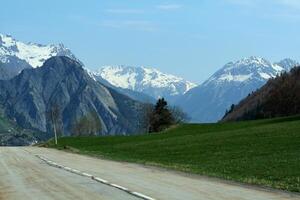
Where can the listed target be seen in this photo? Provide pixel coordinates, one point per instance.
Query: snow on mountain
(16, 56)
(209, 101)
(149, 81)
(34, 54)
(285, 65)
(250, 69)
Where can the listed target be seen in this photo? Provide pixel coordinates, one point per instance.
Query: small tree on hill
(161, 117)
(179, 115)
(87, 125)
(144, 118)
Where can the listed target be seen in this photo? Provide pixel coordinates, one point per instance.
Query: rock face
(62, 81)
(12, 67)
(209, 101)
(145, 80)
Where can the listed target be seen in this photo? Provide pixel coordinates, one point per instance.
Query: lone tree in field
(144, 118)
(179, 115)
(161, 117)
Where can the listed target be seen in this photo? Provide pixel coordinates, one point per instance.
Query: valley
(254, 152)
(150, 100)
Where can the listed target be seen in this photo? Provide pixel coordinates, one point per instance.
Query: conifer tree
(161, 117)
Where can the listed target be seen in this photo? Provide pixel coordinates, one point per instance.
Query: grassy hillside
(265, 152)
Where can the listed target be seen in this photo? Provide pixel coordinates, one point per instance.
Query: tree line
(154, 118)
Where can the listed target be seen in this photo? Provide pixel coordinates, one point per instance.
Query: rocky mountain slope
(62, 81)
(12, 67)
(277, 98)
(145, 80)
(13, 135)
(209, 101)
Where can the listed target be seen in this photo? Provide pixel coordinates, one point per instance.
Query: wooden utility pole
(54, 128)
(55, 112)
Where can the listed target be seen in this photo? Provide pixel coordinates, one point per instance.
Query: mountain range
(140, 83)
(233, 82)
(206, 102)
(149, 81)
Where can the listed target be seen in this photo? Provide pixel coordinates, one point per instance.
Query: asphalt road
(24, 176)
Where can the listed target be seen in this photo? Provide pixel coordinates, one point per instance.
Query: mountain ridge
(279, 97)
(149, 81)
(16, 56)
(34, 54)
(234, 81)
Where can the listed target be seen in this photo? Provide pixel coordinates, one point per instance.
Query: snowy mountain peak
(144, 79)
(252, 68)
(253, 60)
(34, 54)
(287, 64)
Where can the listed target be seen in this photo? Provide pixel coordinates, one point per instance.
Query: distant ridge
(149, 81)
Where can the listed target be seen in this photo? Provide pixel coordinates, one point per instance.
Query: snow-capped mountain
(34, 54)
(250, 69)
(146, 80)
(209, 101)
(142, 84)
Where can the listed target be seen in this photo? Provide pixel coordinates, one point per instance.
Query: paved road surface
(24, 176)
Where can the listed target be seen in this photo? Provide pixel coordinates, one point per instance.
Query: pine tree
(161, 117)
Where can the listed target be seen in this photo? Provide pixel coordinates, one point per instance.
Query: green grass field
(264, 152)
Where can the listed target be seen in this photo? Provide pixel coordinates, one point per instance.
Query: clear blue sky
(191, 38)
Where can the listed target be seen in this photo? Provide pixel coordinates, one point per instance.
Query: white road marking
(137, 194)
(87, 175)
(100, 180)
(119, 187)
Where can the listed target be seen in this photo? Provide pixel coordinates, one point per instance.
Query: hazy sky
(191, 38)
